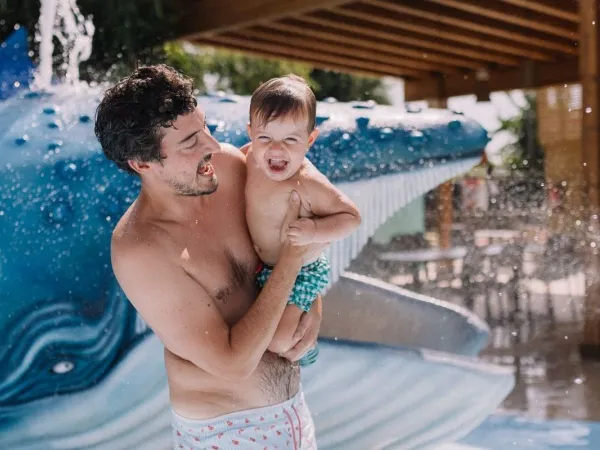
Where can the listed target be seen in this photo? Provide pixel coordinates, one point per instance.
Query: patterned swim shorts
(311, 280)
(285, 426)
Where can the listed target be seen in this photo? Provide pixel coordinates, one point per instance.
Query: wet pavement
(553, 382)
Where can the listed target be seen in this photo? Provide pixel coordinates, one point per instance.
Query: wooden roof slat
(464, 37)
(330, 36)
(555, 8)
(544, 74)
(283, 37)
(305, 55)
(206, 40)
(365, 33)
(211, 16)
(514, 15)
(476, 26)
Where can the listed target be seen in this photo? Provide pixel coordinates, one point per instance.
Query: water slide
(80, 370)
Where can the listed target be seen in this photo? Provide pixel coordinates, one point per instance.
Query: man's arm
(336, 215)
(185, 318)
(307, 332)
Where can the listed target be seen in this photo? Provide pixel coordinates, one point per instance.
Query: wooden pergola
(441, 48)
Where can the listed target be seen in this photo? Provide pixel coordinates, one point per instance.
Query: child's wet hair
(287, 96)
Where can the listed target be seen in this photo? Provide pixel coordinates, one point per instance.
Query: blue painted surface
(16, 68)
(73, 341)
(59, 200)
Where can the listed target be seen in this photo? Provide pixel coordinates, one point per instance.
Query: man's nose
(216, 147)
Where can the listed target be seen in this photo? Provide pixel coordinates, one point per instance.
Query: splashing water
(61, 19)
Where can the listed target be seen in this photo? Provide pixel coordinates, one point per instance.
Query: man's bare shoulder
(135, 243)
(233, 154)
(230, 165)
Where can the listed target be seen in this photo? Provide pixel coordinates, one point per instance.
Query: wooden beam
(328, 36)
(477, 26)
(544, 74)
(590, 147)
(554, 8)
(514, 15)
(589, 65)
(366, 32)
(314, 62)
(429, 29)
(307, 55)
(203, 17)
(284, 39)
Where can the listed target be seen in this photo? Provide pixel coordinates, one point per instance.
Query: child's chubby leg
(284, 336)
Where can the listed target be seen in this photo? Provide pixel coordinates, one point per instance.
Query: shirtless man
(183, 256)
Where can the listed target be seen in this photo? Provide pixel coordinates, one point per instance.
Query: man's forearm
(251, 336)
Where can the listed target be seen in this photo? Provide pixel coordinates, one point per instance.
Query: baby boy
(282, 130)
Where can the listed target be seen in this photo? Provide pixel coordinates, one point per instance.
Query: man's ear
(313, 137)
(139, 166)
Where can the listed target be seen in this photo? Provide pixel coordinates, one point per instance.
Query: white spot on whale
(63, 367)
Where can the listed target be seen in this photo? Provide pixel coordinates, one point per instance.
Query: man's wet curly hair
(130, 117)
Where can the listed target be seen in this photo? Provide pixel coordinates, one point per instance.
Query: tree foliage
(132, 32)
(345, 87)
(527, 153)
(241, 74)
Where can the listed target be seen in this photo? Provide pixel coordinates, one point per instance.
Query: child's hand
(302, 231)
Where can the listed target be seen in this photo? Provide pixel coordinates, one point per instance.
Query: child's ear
(248, 130)
(313, 137)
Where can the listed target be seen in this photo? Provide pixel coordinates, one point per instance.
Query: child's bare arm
(336, 215)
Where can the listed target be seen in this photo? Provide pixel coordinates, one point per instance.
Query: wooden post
(590, 139)
(444, 198)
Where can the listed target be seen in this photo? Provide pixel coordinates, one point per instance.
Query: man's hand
(307, 332)
(302, 231)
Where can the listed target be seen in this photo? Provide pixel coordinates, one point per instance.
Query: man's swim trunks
(311, 280)
(286, 426)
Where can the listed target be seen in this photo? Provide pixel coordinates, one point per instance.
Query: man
(183, 256)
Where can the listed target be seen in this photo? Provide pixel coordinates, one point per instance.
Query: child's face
(280, 146)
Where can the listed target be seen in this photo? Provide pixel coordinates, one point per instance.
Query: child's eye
(263, 138)
(292, 140)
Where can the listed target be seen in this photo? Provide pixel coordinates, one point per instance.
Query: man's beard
(188, 191)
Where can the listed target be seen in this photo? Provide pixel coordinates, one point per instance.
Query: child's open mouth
(277, 165)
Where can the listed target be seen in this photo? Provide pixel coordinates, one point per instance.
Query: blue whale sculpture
(78, 367)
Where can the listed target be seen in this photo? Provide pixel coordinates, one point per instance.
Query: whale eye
(63, 367)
